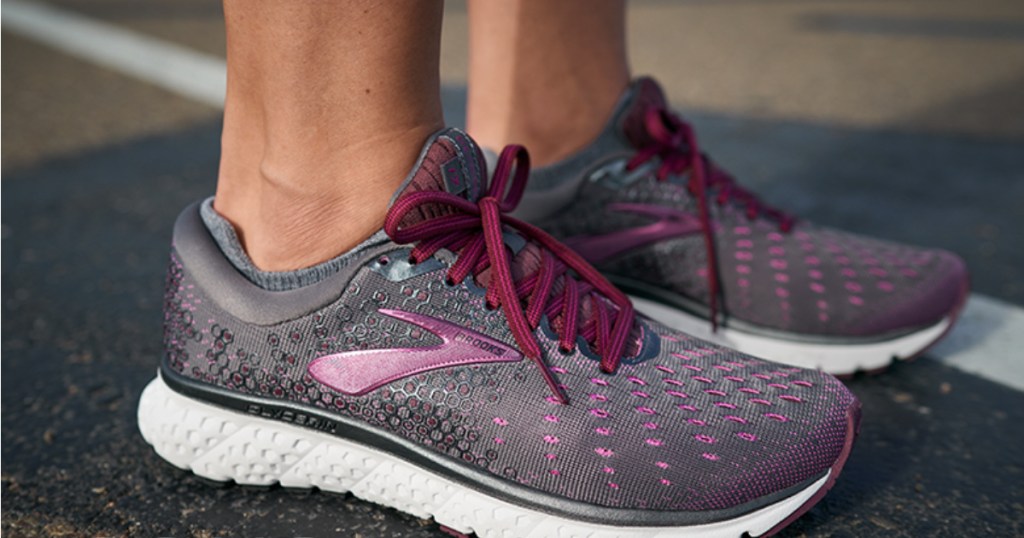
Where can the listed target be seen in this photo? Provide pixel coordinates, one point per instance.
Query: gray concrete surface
(898, 119)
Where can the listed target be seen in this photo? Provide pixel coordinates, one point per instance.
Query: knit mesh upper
(809, 279)
(681, 425)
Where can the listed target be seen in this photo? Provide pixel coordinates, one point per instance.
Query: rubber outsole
(223, 445)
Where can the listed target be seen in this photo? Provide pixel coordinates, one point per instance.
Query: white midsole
(222, 444)
(832, 358)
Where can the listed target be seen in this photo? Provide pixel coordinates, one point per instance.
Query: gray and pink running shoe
(701, 254)
(464, 366)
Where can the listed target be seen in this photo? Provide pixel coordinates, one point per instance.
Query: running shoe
(466, 367)
(702, 254)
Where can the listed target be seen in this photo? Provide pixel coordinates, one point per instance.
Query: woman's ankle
(310, 207)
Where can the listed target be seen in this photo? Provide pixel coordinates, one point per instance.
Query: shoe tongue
(642, 94)
(527, 261)
(449, 162)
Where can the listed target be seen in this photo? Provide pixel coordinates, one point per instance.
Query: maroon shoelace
(474, 232)
(674, 142)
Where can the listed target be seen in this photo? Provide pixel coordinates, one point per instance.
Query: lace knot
(475, 231)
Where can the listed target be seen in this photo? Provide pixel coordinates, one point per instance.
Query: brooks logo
(361, 371)
(670, 223)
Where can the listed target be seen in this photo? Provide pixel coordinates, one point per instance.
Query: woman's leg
(328, 104)
(544, 74)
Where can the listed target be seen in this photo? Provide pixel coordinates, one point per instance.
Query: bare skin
(328, 104)
(544, 74)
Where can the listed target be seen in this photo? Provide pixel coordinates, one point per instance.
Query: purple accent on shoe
(477, 232)
(646, 94)
(453, 180)
(671, 223)
(450, 163)
(359, 372)
(940, 293)
(472, 159)
(852, 431)
(757, 265)
(452, 532)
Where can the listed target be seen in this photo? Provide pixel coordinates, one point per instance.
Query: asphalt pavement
(900, 119)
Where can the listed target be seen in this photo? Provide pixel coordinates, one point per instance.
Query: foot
(703, 255)
(463, 365)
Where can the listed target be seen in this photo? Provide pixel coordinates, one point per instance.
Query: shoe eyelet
(383, 260)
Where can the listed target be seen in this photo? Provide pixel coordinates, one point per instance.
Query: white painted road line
(183, 71)
(988, 341)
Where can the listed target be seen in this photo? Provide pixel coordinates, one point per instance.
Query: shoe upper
(396, 344)
(637, 217)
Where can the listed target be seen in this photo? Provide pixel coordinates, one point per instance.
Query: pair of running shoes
(575, 357)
